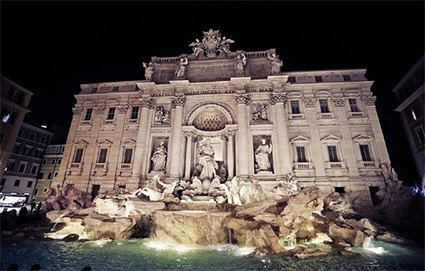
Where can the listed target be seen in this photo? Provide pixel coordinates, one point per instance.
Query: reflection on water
(147, 254)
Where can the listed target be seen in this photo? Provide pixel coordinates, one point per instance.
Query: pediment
(331, 138)
(300, 138)
(363, 138)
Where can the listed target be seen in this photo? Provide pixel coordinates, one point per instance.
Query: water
(147, 254)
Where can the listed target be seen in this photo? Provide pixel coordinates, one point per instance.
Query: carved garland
(338, 102)
(309, 102)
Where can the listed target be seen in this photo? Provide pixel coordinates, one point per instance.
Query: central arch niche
(211, 117)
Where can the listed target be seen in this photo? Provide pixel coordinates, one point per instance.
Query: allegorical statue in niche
(181, 68)
(276, 63)
(262, 154)
(159, 157)
(240, 64)
(148, 71)
(206, 155)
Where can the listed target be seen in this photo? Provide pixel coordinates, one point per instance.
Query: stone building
(320, 127)
(21, 171)
(49, 170)
(410, 96)
(14, 107)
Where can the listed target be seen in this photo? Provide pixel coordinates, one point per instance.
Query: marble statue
(262, 156)
(197, 47)
(159, 157)
(148, 71)
(181, 68)
(224, 46)
(276, 63)
(206, 160)
(240, 64)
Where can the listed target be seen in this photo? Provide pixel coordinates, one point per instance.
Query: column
(188, 161)
(176, 133)
(316, 145)
(243, 142)
(141, 136)
(230, 155)
(381, 149)
(347, 140)
(282, 146)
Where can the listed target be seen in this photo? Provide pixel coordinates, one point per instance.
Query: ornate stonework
(178, 101)
(243, 99)
(339, 102)
(368, 100)
(278, 98)
(212, 45)
(309, 102)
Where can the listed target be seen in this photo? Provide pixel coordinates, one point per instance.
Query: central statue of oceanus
(212, 45)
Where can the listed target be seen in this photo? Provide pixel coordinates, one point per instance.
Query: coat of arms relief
(212, 45)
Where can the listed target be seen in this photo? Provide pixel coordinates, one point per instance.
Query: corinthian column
(141, 148)
(243, 133)
(230, 155)
(176, 133)
(188, 160)
(278, 101)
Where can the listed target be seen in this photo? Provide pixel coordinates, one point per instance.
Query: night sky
(50, 48)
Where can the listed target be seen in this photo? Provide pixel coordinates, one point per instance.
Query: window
(420, 134)
(40, 175)
(59, 161)
(89, 111)
(56, 173)
(102, 156)
(43, 139)
(93, 90)
(36, 191)
(16, 147)
(44, 161)
(29, 184)
(22, 167)
(27, 150)
(38, 153)
(62, 148)
(10, 165)
(7, 116)
(333, 156)
(53, 161)
(353, 105)
(17, 183)
(32, 136)
(49, 176)
(295, 107)
(45, 190)
(291, 79)
(346, 77)
(111, 113)
(21, 133)
(319, 78)
(15, 95)
(365, 152)
(324, 108)
(57, 149)
(301, 154)
(134, 113)
(34, 169)
(48, 149)
(115, 88)
(78, 155)
(128, 153)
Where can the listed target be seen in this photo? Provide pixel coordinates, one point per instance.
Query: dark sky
(50, 48)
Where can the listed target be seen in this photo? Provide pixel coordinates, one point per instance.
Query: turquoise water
(147, 254)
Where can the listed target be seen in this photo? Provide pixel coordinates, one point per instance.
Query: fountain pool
(149, 254)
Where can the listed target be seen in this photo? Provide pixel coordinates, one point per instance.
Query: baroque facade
(320, 127)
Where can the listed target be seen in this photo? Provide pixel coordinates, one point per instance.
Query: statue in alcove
(159, 157)
(262, 154)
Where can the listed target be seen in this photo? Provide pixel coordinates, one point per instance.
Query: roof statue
(212, 45)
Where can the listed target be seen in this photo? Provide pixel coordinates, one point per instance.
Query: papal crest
(212, 45)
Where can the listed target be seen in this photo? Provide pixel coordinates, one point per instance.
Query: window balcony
(336, 168)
